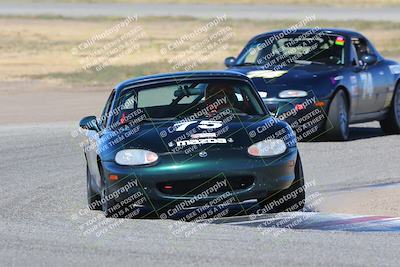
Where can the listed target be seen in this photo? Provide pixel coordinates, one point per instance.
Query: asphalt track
(235, 11)
(43, 219)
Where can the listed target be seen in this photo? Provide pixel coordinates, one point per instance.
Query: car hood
(296, 77)
(164, 137)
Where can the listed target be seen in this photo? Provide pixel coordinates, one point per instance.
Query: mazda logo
(203, 154)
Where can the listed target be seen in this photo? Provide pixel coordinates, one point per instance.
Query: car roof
(181, 76)
(344, 32)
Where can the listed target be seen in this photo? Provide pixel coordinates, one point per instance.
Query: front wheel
(290, 199)
(337, 124)
(391, 124)
(110, 207)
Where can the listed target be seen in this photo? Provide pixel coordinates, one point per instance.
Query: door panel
(372, 80)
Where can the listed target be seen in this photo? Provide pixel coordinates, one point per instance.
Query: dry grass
(41, 47)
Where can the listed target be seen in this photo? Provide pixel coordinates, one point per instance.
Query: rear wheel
(93, 197)
(290, 199)
(391, 125)
(338, 118)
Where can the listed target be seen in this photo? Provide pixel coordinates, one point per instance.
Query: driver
(220, 96)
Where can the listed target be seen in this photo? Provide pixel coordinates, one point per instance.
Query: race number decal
(394, 69)
(210, 124)
(204, 125)
(179, 127)
(367, 85)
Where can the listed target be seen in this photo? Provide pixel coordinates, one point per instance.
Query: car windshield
(195, 99)
(294, 49)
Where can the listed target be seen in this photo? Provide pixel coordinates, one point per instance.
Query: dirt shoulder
(37, 102)
(374, 201)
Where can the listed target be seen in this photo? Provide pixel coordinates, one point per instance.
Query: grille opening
(199, 186)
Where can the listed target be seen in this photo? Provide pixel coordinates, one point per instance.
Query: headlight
(266, 148)
(292, 93)
(135, 157)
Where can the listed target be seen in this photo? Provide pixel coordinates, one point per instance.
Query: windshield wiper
(308, 62)
(246, 64)
(159, 119)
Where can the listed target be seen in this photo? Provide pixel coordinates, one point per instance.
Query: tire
(291, 204)
(92, 196)
(338, 118)
(391, 124)
(109, 207)
(115, 209)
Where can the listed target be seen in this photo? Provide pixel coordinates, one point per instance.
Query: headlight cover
(135, 157)
(292, 93)
(267, 148)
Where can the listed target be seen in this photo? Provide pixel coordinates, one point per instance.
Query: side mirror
(230, 61)
(369, 59)
(89, 123)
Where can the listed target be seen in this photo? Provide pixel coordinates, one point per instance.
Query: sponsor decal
(263, 94)
(388, 101)
(267, 74)
(339, 41)
(353, 80)
(394, 69)
(335, 79)
(354, 85)
(354, 89)
(201, 141)
(203, 135)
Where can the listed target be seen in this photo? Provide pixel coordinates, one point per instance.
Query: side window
(353, 56)
(362, 46)
(252, 55)
(106, 109)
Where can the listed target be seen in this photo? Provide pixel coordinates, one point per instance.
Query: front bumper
(177, 178)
